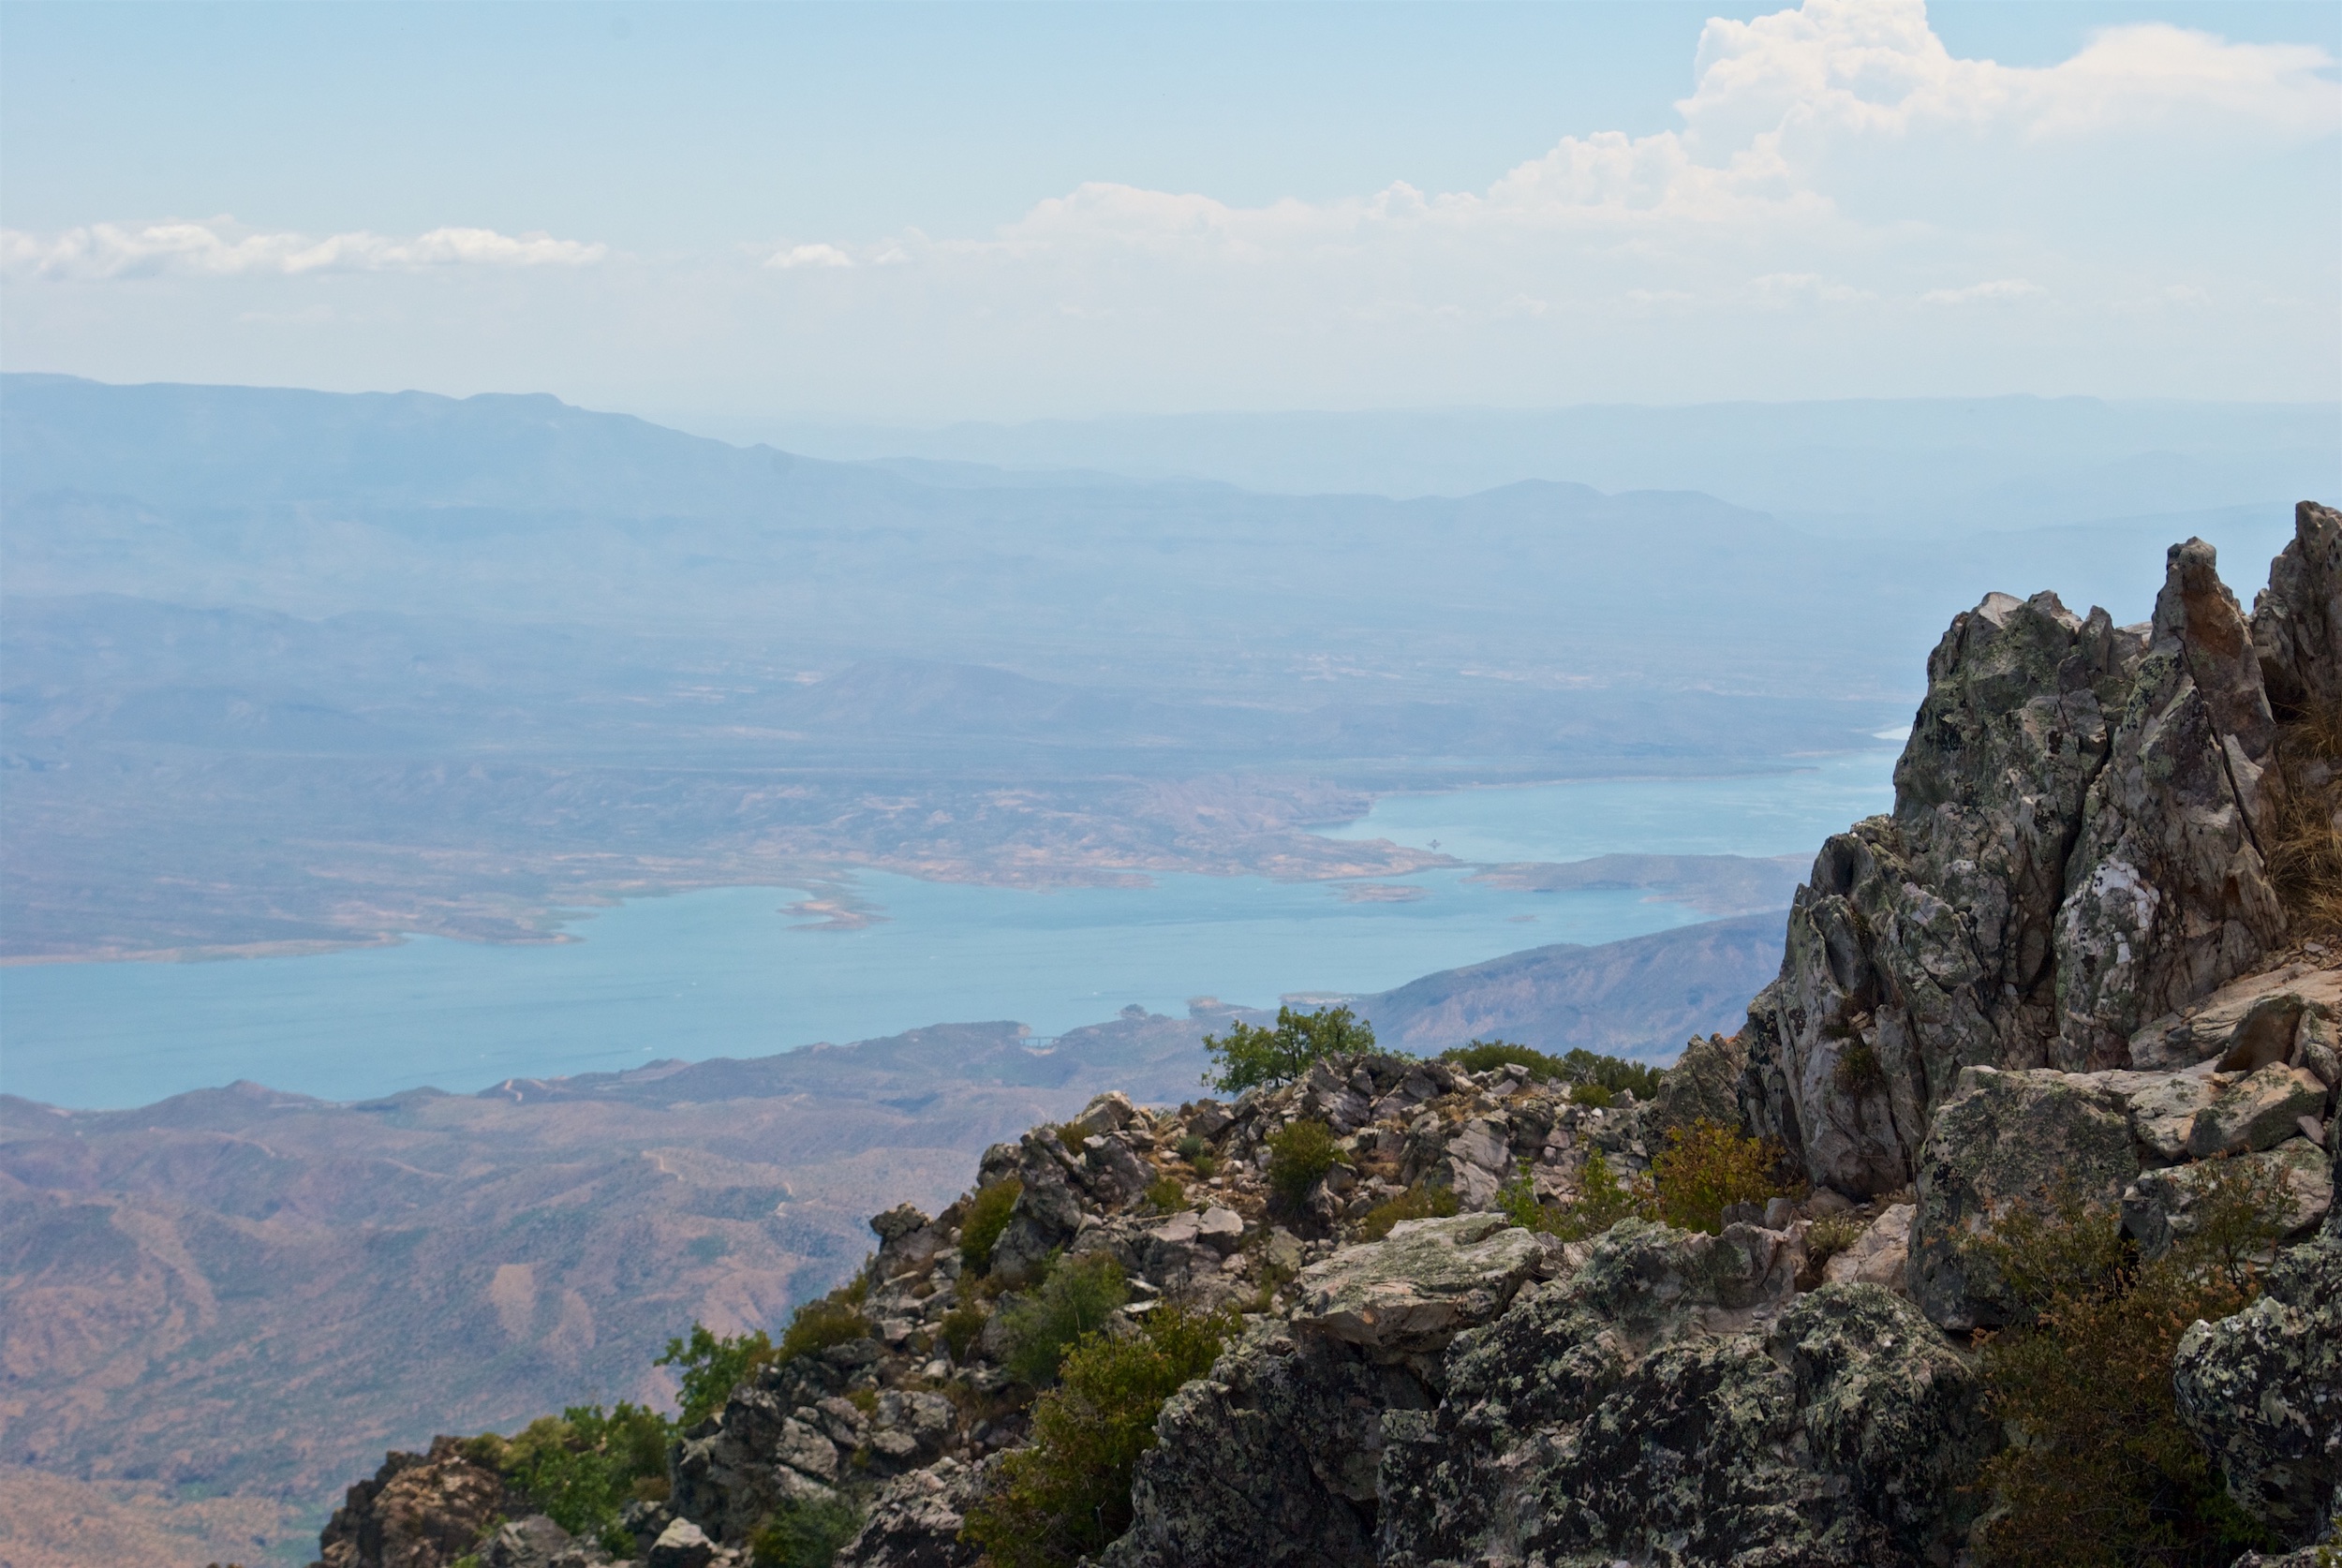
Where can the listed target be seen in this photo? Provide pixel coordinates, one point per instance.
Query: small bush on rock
(1297, 1157)
(1583, 1069)
(987, 1215)
(1167, 1193)
(1420, 1201)
(1829, 1236)
(1077, 1296)
(2102, 1469)
(711, 1367)
(1067, 1493)
(804, 1532)
(1192, 1147)
(1707, 1166)
(581, 1467)
(961, 1327)
(831, 1320)
(1859, 1071)
(1253, 1057)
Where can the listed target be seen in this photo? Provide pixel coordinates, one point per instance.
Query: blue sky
(916, 212)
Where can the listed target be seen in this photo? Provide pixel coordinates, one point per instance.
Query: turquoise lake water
(731, 973)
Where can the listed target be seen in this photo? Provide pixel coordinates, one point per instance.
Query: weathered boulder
(535, 1541)
(419, 1511)
(914, 1520)
(1428, 1281)
(1704, 1084)
(2006, 1138)
(733, 1470)
(2256, 1112)
(2263, 1391)
(681, 1545)
(1671, 1402)
(2248, 1023)
(1922, 941)
(1268, 1462)
(1880, 1256)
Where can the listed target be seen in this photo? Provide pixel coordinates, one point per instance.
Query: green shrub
(1420, 1201)
(1829, 1236)
(584, 1466)
(1707, 1166)
(1602, 1202)
(831, 1320)
(1167, 1193)
(1250, 1056)
(1481, 1054)
(1297, 1155)
(711, 1367)
(1072, 1137)
(1075, 1297)
(804, 1532)
(987, 1215)
(1859, 1071)
(1584, 1071)
(1067, 1493)
(961, 1327)
(1192, 1147)
(2100, 1469)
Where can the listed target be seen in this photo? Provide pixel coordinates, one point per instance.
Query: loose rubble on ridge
(2063, 958)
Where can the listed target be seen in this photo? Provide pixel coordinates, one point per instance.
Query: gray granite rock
(2263, 1391)
(2006, 1138)
(1669, 1402)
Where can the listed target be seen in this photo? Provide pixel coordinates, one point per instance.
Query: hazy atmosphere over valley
(629, 634)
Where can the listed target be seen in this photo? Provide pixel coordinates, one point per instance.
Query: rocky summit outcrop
(2065, 970)
(2079, 850)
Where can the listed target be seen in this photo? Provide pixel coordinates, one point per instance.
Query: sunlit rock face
(2077, 851)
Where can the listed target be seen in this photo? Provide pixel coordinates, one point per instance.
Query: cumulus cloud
(815, 256)
(219, 248)
(2000, 290)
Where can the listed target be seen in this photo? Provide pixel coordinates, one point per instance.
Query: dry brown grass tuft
(2305, 847)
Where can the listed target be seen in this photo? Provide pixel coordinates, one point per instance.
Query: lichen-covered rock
(1921, 943)
(914, 1520)
(1430, 1279)
(2168, 897)
(2263, 1391)
(419, 1511)
(535, 1541)
(1269, 1461)
(747, 1460)
(2073, 862)
(2006, 1138)
(1704, 1084)
(2256, 1112)
(1671, 1403)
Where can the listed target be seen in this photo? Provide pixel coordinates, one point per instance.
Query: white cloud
(217, 249)
(816, 256)
(2000, 290)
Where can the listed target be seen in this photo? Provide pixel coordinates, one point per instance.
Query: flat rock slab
(2212, 1028)
(2005, 1138)
(1882, 1254)
(1430, 1279)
